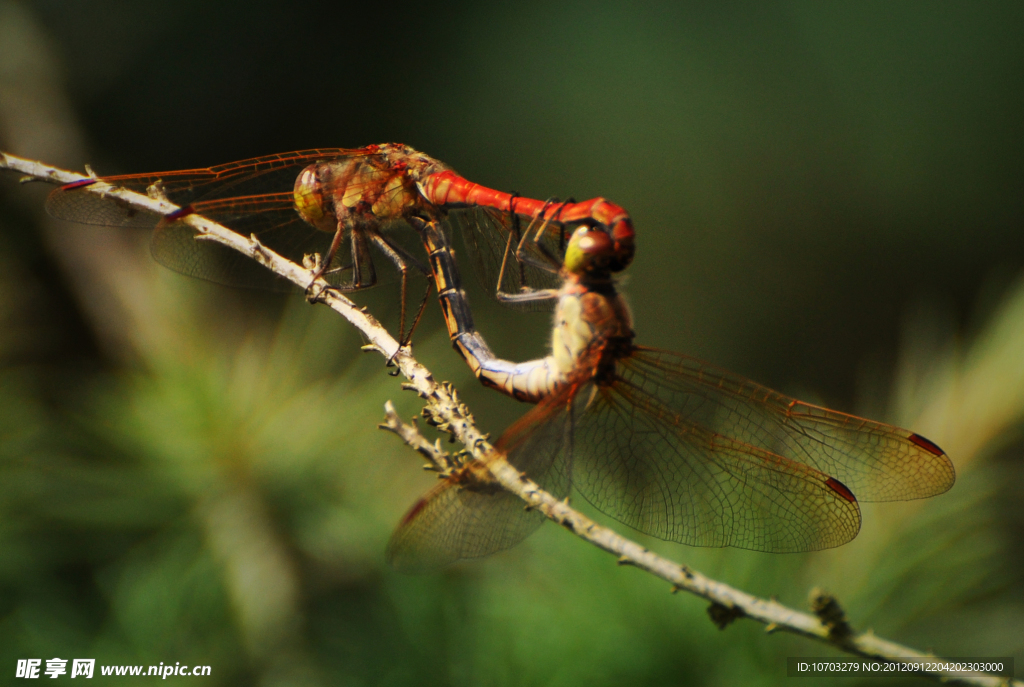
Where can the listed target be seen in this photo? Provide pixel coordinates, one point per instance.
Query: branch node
(409, 386)
(831, 615)
(257, 247)
(156, 191)
(625, 560)
(317, 291)
(438, 460)
(723, 616)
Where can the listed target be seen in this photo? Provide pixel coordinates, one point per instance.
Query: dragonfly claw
(315, 292)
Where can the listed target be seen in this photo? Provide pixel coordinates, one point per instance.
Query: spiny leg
(515, 234)
(539, 215)
(553, 260)
(527, 294)
(402, 259)
(363, 273)
(551, 263)
(327, 259)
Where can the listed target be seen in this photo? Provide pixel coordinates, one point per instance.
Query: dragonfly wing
(77, 205)
(250, 197)
(270, 217)
(453, 523)
(878, 462)
(175, 246)
(641, 462)
(244, 178)
(461, 521)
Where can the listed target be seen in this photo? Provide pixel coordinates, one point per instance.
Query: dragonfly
(344, 205)
(662, 442)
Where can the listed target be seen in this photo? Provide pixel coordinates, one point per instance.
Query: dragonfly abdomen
(530, 381)
(446, 188)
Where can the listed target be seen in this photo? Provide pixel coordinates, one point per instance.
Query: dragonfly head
(622, 238)
(309, 199)
(594, 253)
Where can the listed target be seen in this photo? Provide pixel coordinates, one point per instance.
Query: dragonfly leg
(402, 260)
(363, 273)
(325, 262)
(549, 261)
(527, 295)
(553, 261)
(514, 235)
(516, 238)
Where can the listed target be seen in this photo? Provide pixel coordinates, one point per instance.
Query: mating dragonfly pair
(662, 442)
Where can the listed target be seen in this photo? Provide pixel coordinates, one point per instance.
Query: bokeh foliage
(828, 199)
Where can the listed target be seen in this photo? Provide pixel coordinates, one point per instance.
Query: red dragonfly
(662, 442)
(339, 203)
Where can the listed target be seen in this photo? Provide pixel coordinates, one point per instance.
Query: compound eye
(595, 242)
(589, 251)
(309, 199)
(622, 236)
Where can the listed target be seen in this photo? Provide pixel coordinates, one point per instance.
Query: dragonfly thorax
(593, 327)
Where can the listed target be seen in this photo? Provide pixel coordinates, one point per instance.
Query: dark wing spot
(413, 512)
(78, 184)
(841, 489)
(919, 440)
(181, 212)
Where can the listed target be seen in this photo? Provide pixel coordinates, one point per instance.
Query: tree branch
(828, 624)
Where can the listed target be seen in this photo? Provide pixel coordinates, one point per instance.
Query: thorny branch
(828, 624)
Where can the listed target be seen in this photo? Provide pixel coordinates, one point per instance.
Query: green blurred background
(828, 198)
